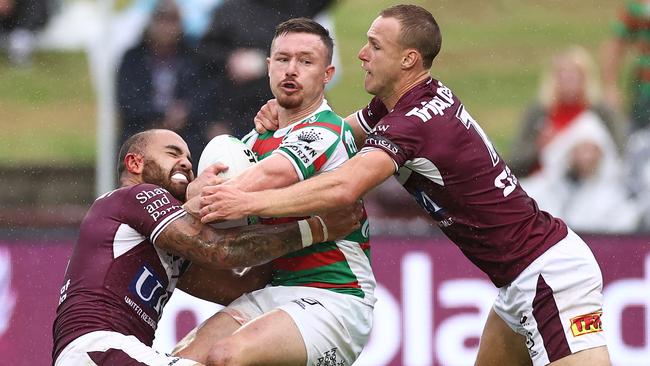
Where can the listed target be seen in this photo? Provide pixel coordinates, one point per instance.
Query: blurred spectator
(195, 17)
(19, 22)
(158, 84)
(568, 90)
(637, 166)
(630, 30)
(581, 180)
(235, 48)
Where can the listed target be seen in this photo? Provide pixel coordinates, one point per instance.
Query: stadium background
(432, 300)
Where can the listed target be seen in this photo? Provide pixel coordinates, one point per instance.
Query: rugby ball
(232, 152)
(228, 150)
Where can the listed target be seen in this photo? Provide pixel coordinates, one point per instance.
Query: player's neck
(129, 180)
(402, 87)
(287, 116)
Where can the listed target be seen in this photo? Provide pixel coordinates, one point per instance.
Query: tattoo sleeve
(244, 246)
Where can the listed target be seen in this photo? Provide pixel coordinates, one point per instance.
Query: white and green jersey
(319, 143)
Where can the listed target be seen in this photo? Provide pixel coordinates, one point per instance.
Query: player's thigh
(270, 339)
(598, 356)
(500, 345)
(197, 343)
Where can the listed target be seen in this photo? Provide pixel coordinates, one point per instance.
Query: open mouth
(289, 86)
(180, 177)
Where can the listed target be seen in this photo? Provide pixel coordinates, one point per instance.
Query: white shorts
(556, 302)
(112, 348)
(334, 327)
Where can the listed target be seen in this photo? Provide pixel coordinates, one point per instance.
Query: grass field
(492, 55)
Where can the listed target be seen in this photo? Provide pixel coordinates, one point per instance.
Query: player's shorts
(335, 327)
(103, 348)
(556, 303)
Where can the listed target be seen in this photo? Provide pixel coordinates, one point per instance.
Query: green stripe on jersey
(338, 273)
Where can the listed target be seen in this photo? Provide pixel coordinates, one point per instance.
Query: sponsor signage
(432, 302)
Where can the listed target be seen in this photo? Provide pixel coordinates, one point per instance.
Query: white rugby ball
(232, 152)
(228, 150)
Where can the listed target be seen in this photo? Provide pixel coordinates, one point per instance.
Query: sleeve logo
(585, 324)
(382, 142)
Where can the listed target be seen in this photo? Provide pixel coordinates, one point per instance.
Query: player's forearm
(232, 248)
(318, 194)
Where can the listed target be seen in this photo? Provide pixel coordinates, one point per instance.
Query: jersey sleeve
(398, 137)
(149, 209)
(309, 146)
(371, 114)
(250, 138)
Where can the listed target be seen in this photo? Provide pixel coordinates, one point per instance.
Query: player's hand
(266, 118)
(341, 222)
(224, 202)
(208, 177)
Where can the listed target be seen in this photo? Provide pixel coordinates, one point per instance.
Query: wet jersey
(319, 143)
(116, 279)
(448, 164)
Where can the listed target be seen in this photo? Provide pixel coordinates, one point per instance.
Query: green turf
(492, 55)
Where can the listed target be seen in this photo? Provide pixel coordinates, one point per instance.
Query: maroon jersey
(116, 279)
(445, 160)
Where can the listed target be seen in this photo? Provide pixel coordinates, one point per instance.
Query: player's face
(167, 163)
(298, 70)
(381, 56)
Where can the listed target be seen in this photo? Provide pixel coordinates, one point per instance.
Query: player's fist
(208, 177)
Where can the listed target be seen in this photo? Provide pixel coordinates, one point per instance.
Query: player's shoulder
(428, 101)
(142, 193)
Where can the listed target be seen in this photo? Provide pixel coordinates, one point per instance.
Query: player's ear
(329, 73)
(410, 58)
(134, 163)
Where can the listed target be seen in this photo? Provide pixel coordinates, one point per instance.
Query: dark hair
(419, 30)
(134, 144)
(306, 25)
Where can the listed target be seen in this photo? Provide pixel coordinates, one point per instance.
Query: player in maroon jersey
(137, 241)
(418, 130)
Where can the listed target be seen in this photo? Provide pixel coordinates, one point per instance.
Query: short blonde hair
(585, 62)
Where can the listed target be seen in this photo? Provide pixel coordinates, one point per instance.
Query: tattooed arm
(249, 246)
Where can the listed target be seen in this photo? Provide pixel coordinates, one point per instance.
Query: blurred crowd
(199, 68)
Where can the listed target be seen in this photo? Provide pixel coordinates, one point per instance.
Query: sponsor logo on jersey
(382, 128)
(309, 135)
(585, 324)
(149, 289)
(434, 107)
(156, 202)
(382, 142)
(304, 152)
(144, 196)
(439, 214)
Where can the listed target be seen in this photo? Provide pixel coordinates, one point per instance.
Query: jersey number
(468, 122)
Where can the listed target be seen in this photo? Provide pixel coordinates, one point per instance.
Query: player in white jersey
(318, 308)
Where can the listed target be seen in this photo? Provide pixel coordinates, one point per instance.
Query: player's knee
(226, 352)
